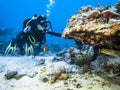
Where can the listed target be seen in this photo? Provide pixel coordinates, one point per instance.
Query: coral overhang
(92, 27)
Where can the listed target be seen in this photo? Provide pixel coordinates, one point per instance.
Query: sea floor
(30, 81)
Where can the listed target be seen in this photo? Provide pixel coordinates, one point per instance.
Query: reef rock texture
(76, 56)
(95, 26)
(107, 67)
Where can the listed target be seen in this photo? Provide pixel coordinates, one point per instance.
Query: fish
(109, 52)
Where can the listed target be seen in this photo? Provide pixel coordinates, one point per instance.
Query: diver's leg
(21, 38)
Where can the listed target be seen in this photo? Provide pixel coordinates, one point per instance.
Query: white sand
(84, 81)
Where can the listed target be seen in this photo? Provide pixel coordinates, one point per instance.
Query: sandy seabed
(74, 82)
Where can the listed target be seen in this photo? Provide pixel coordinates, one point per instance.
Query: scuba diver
(29, 41)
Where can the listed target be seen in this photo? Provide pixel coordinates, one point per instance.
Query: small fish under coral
(109, 52)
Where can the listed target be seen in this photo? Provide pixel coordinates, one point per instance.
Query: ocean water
(14, 12)
(70, 68)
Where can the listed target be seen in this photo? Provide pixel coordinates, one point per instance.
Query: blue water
(14, 12)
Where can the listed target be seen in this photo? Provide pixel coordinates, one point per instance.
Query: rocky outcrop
(76, 56)
(95, 26)
(98, 27)
(107, 67)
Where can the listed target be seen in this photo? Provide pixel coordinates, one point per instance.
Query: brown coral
(94, 14)
(110, 14)
(95, 32)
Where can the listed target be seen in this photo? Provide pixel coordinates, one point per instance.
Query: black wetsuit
(39, 35)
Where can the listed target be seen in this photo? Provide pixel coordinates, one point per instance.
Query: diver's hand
(27, 29)
(39, 27)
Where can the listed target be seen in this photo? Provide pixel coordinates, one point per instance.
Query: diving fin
(11, 48)
(28, 49)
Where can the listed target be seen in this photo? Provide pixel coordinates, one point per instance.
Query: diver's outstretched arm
(54, 33)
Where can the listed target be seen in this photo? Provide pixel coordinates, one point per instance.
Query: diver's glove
(27, 29)
(11, 48)
(28, 49)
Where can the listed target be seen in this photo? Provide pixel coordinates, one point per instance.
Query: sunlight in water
(49, 5)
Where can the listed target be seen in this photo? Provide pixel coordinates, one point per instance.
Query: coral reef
(76, 56)
(98, 27)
